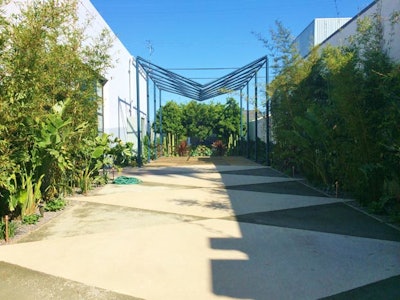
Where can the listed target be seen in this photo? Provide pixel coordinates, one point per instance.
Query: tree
(228, 120)
(282, 49)
(172, 115)
(198, 120)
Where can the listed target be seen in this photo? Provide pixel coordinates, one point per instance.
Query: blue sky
(210, 33)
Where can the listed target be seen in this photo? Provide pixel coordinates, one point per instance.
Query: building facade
(388, 12)
(318, 31)
(120, 111)
(336, 31)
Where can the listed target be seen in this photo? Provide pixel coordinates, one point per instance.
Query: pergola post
(148, 133)
(155, 117)
(139, 142)
(119, 119)
(255, 117)
(241, 123)
(248, 122)
(267, 120)
(161, 129)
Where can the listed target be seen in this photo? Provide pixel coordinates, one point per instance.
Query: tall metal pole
(148, 119)
(139, 142)
(241, 123)
(255, 117)
(267, 120)
(155, 117)
(248, 122)
(161, 132)
(119, 119)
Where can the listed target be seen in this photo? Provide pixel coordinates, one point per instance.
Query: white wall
(261, 129)
(305, 40)
(324, 27)
(120, 100)
(385, 9)
(315, 33)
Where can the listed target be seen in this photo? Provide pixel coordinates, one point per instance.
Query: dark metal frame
(168, 81)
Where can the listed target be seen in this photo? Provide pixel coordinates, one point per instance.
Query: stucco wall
(315, 33)
(120, 100)
(385, 9)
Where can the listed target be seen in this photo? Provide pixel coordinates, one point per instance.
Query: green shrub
(55, 205)
(30, 219)
(201, 150)
(122, 153)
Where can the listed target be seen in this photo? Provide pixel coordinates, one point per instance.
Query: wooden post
(6, 220)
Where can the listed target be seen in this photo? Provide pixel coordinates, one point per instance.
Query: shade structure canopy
(169, 81)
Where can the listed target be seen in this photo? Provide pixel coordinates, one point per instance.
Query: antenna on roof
(149, 46)
(337, 9)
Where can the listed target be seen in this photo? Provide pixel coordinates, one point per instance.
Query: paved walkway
(201, 229)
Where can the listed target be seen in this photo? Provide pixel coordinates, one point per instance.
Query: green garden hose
(126, 180)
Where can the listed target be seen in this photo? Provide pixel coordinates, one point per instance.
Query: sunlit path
(210, 231)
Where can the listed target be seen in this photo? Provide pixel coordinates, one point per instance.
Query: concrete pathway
(234, 230)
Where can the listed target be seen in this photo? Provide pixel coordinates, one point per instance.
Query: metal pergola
(168, 81)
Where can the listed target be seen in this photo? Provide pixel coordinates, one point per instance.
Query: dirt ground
(190, 160)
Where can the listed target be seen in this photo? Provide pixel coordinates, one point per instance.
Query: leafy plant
(26, 195)
(30, 219)
(121, 153)
(201, 150)
(219, 148)
(55, 205)
(92, 158)
(52, 139)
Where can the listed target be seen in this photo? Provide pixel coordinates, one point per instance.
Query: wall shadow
(282, 263)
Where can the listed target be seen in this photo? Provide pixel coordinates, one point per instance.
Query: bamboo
(173, 144)
(164, 145)
(169, 144)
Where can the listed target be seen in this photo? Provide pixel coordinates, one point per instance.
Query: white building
(318, 31)
(118, 116)
(119, 92)
(336, 31)
(388, 12)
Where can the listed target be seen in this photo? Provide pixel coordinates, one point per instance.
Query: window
(142, 127)
(100, 108)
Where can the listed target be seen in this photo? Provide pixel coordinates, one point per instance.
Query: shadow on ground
(307, 250)
(43, 286)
